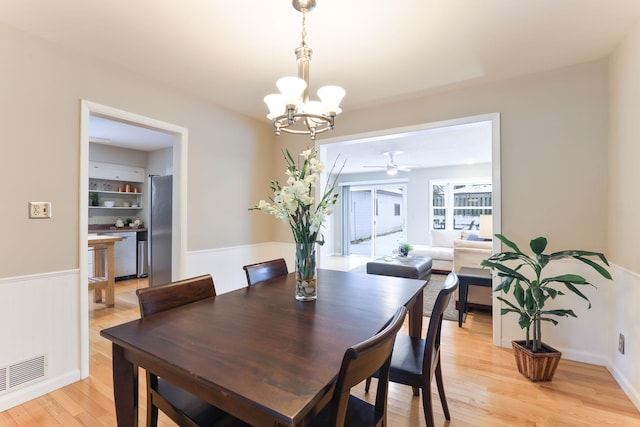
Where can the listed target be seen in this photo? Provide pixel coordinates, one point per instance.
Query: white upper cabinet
(116, 172)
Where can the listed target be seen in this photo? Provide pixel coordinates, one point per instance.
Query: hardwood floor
(482, 384)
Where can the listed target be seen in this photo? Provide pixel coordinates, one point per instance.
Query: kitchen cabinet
(114, 172)
(125, 254)
(115, 187)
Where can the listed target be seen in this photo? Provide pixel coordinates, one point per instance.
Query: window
(457, 205)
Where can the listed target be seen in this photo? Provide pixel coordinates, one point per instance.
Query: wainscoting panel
(584, 338)
(225, 264)
(624, 318)
(40, 326)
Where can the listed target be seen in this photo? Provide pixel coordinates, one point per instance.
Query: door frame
(496, 177)
(179, 222)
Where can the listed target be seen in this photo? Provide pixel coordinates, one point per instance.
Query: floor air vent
(22, 373)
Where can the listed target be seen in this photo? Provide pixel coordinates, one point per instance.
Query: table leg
(98, 271)
(415, 316)
(125, 388)
(109, 296)
(462, 301)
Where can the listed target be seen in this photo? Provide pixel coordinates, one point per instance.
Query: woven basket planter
(536, 366)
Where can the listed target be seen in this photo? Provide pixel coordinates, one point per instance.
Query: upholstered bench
(412, 267)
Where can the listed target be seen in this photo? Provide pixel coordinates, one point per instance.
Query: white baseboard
(33, 391)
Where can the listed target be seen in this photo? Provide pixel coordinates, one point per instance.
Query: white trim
(374, 182)
(36, 390)
(179, 203)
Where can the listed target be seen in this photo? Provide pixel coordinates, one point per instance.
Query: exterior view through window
(458, 205)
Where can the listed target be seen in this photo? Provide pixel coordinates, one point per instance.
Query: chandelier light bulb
(331, 96)
(291, 89)
(275, 104)
(315, 108)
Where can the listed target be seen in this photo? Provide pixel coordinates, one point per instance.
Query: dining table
(257, 352)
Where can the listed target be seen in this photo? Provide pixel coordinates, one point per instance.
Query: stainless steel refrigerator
(160, 226)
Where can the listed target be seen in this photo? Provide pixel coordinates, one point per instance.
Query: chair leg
(152, 409)
(426, 405)
(367, 384)
(152, 413)
(443, 398)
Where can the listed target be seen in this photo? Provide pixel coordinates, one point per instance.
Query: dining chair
(182, 407)
(263, 271)
(416, 360)
(358, 363)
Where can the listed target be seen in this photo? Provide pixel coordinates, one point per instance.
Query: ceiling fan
(391, 166)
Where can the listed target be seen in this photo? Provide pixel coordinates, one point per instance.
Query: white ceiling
(232, 52)
(120, 134)
(462, 144)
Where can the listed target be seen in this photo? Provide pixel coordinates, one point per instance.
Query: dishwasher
(125, 255)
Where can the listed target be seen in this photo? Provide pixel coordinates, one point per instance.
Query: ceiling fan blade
(375, 166)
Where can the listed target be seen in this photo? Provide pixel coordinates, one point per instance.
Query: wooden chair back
(155, 299)
(263, 271)
(432, 341)
(415, 360)
(180, 406)
(359, 363)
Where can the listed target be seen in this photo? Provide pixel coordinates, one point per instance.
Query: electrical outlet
(621, 343)
(39, 209)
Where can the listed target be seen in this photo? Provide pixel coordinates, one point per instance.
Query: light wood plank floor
(481, 381)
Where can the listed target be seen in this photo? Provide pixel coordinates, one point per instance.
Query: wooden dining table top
(257, 352)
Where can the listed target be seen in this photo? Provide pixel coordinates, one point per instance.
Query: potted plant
(536, 360)
(404, 249)
(94, 198)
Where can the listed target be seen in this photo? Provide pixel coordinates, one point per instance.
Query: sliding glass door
(374, 219)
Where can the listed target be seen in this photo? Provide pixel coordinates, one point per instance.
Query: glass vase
(306, 278)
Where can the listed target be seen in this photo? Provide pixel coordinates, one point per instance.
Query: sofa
(441, 246)
(452, 250)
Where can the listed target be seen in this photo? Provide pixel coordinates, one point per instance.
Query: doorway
(425, 146)
(178, 226)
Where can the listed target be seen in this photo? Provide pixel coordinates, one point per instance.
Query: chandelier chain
(304, 29)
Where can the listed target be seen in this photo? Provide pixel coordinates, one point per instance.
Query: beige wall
(624, 153)
(42, 84)
(623, 204)
(554, 148)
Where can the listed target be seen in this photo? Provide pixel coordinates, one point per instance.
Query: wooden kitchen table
(107, 243)
(256, 352)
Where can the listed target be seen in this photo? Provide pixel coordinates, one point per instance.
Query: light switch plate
(39, 210)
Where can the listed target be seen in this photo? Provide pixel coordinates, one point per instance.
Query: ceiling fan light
(331, 96)
(291, 89)
(392, 171)
(275, 104)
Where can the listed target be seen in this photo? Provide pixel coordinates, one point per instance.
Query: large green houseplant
(522, 275)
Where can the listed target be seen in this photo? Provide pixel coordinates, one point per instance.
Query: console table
(103, 279)
(470, 277)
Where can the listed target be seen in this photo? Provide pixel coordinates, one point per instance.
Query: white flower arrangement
(295, 203)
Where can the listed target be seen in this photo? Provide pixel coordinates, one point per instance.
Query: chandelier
(291, 110)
